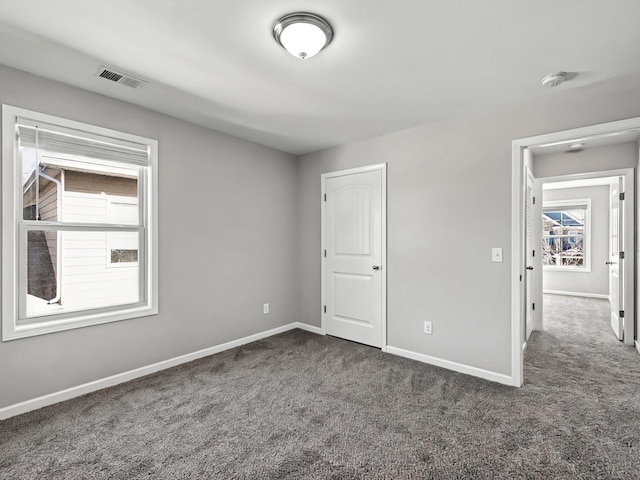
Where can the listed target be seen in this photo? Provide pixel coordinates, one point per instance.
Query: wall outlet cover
(428, 328)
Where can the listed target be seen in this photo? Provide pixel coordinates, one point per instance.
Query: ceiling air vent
(121, 78)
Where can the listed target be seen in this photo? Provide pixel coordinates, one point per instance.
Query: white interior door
(353, 257)
(530, 247)
(616, 264)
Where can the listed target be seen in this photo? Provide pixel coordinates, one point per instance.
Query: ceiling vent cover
(119, 77)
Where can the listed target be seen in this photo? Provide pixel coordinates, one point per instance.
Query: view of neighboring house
(75, 270)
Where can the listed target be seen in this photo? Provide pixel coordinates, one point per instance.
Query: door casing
(518, 296)
(382, 167)
(530, 276)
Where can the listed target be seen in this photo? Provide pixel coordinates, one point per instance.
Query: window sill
(567, 269)
(15, 332)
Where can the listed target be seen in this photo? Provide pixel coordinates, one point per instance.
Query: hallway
(578, 348)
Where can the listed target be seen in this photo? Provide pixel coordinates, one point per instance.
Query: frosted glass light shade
(303, 35)
(303, 39)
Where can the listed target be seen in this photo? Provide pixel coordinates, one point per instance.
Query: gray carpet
(300, 405)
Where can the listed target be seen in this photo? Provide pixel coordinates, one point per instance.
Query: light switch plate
(496, 255)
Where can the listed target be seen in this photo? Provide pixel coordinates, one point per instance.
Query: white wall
(227, 245)
(449, 202)
(595, 282)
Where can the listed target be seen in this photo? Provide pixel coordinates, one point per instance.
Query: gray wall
(449, 202)
(597, 159)
(227, 228)
(597, 280)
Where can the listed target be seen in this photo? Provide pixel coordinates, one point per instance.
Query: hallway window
(565, 241)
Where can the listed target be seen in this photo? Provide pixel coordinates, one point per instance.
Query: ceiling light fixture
(554, 79)
(302, 34)
(575, 147)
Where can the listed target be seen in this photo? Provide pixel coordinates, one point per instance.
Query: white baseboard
(577, 294)
(308, 328)
(637, 346)
(457, 367)
(524, 347)
(69, 393)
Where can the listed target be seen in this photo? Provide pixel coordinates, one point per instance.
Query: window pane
(84, 276)
(563, 240)
(563, 251)
(78, 191)
(564, 222)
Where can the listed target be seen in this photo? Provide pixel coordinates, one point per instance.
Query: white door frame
(517, 228)
(323, 178)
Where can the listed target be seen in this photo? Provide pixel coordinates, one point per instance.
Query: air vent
(121, 78)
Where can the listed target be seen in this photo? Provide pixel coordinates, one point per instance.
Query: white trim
(577, 294)
(562, 184)
(456, 367)
(637, 346)
(69, 393)
(369, 168)
(352, 171)
(517, 264)
(517, 238)
(308, 328)
(14, 232)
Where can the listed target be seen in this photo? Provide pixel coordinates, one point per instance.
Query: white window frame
(575, 203)
(14, 231)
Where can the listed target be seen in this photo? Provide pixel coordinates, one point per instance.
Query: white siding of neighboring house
(89, 279)
(49, 212)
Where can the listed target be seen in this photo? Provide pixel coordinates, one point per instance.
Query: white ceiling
(392, 64)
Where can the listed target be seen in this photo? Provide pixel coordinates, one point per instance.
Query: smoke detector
(119, 77)
(554, 79)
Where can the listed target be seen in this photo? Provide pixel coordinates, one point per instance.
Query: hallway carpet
(299, 405)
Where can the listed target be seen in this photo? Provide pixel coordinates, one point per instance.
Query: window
(79, 224)
(566, 235)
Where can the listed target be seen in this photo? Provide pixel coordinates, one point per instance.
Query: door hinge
(325, 309)
(621, 255)
(534, 200)
(533, 253)
(325, 253)
(533, 306)
(325, 197)
(621, 195)
(621, 313)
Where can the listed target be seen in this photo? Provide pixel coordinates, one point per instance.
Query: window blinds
(61, 140)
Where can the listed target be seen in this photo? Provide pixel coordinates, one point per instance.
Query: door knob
(529, 268)
(376, 267)
(608, 263)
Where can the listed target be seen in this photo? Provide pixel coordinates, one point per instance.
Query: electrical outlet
(496, 255)
(428, 328)
(265, 308)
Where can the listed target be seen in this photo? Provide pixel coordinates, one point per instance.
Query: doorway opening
(568, 247)
(583, 244)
